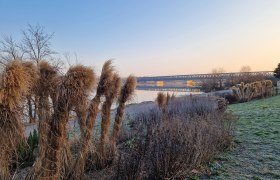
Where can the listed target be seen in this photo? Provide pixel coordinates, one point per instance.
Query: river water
(144, 93)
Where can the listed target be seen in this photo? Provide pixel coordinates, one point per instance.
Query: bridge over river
(201, 77)
(169, 88)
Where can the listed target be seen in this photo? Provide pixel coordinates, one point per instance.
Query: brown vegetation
(15, 82)
(103, 86)
(161, 144)
(163, 100)
(170, 145)
(125, 95)
(106, 116)
(246, 92)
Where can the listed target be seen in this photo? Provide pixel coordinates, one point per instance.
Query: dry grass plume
(106, 114)
(78, 81)
(125, 95)
(102, 88)
(15, 82)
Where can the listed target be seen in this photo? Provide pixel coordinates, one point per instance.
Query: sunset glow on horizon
(158, 37)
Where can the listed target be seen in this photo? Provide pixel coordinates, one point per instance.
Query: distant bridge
(169, 88)
(200, 77)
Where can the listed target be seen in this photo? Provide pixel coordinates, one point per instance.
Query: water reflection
(149, 92)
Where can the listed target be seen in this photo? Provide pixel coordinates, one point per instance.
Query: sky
(155, 37)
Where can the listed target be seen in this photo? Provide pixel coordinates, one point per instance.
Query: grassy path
(256, 154)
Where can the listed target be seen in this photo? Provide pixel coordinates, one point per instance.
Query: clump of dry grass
(78, 81)
(102, 88)
(81, 107)
(161, 100)
(15, 82)
(45, 86)
(48, 79)
(168, 98)
(259, 89)
(106, 115)
(68, 92)
(31, 69)
(125, 94)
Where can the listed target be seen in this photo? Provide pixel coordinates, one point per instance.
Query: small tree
(245, 69)
(277, 72)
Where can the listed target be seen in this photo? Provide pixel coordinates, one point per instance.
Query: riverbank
(73, 124)
(129, 110)
(256, 154)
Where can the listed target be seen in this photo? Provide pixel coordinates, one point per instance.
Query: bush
(259, 89)
(169, 144)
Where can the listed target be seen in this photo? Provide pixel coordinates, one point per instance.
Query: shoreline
(130, 109)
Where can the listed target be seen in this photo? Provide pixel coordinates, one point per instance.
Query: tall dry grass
(31, 69)
(125, 95)
(77, 81)
(161, 100)
(45, 86)
(106, 115)
(55, 96)
(15, 82)
(103, 88)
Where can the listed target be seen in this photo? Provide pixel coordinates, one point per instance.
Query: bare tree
(36, 46)
(215, 82)
(9, 50)
(36, 43)
(245, 69)
(218, 80)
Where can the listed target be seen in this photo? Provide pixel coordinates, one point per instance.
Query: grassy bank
(256, 154)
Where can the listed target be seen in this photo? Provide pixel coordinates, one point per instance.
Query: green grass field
(256, 151)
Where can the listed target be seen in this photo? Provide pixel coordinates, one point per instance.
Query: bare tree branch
(36, 43)
(9, 50)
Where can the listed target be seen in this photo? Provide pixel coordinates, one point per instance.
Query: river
(149, 93)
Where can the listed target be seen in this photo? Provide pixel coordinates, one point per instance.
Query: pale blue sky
(156, 37)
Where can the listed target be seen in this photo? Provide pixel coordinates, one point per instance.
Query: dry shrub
(259, 89)
(222, 103)
(193, 106)
(15, 82)
(169, 145)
